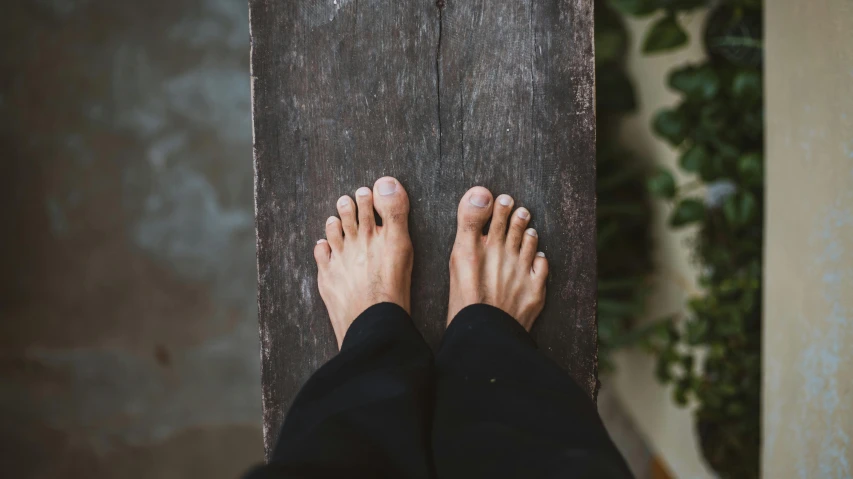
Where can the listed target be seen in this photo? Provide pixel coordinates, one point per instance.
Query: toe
(346, 210)
(500, 215)
(517, 225)
(392, 204)
(322, 253)
(540, 267)
(364, 199)
(334, 233)
(473, 213)
(528, 247)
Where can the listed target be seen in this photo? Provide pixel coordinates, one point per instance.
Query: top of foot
(501, 268)
(361, 263)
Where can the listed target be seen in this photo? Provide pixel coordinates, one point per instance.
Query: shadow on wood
(443, 96)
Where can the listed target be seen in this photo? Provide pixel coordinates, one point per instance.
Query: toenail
(531, 231)
(331, 220)
(387, 187)
(540, 254)
(523, 214)
(343, 201)
(321, 241)
(479, 200)
(363, 191)
(505, 200)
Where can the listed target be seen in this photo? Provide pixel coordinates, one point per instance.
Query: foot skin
(361, 264)
(501, 268)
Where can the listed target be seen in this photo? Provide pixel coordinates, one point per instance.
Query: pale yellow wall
(808, 298)
(668, 428)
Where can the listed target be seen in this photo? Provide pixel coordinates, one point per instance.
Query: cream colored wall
(808, 297)
(668, 428)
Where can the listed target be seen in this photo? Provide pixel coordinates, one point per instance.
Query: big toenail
(479, 200)
(343, 201)
(523, 214)
(387, 187)
(531, 231)
(540, 254)
(321, 241)
(363, 191)
(505, 200)
(331, 220)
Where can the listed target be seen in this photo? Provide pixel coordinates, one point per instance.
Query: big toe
(392, 204)
(474, 211)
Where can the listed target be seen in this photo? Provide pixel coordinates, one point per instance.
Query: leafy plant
(713, 355)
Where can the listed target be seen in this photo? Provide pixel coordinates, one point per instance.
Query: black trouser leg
(504, 410)
(365, 413)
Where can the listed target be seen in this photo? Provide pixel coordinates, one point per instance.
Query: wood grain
(443, 96)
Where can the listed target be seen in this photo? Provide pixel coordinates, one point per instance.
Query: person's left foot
(360, 263)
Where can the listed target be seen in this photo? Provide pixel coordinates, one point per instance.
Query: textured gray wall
(127, 267)
(807, 415)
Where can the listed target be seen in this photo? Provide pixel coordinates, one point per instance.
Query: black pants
(489, 405)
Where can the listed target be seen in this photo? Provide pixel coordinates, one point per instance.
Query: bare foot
(502, 268)
(361, 264)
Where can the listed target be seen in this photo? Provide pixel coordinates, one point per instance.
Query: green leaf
(740, 209)
(679, 395)
(609, 45)
(747, 85)
(696, 331)
(636, 7)
(665, 34)
(613, 90)
(663, 369)
(693, 158)
(671, 125)
(662, 184)
(687, 211)
(750, 168)
(696, 82)
(747, 207)
(712, 117)
(730, 211)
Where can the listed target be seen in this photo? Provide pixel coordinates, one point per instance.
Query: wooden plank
(443, 96)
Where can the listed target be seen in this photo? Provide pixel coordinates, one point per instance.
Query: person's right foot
(360, 264)
(501, 268)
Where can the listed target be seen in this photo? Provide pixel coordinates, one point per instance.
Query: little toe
(392, 204)
(517, 226)
(366, 221)
(346, 210)
(334, 233)
(500, 216)
(474, 211)
(322, 253)
(528, 247)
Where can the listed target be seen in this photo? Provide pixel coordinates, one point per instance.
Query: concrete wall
(668, 428)
(808, 301)
(127, 265)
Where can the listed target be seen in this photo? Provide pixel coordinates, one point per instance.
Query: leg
(502, 408)
(366, 413)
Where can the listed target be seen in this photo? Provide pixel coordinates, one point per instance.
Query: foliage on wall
(712, 355)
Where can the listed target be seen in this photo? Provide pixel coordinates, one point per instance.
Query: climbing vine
(712, 354)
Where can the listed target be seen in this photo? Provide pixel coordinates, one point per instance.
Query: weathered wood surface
(443, 96)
